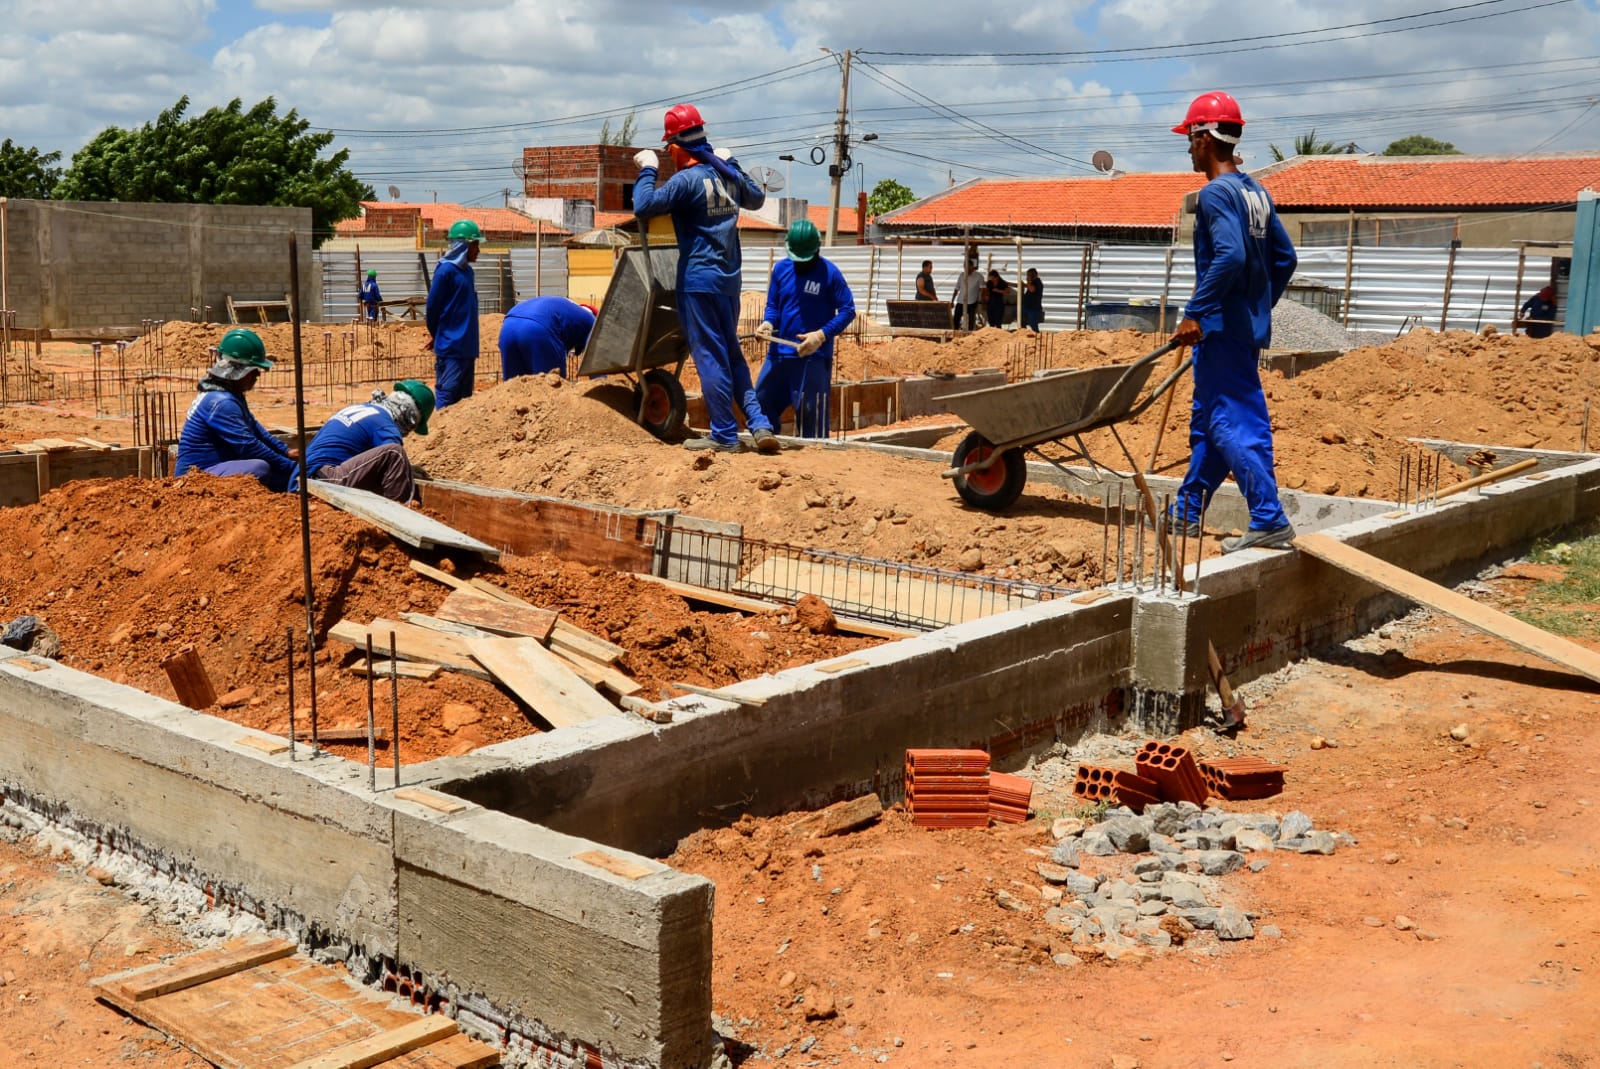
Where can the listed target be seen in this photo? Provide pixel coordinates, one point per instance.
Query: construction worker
(1538, 313)
(220, 436)
(539, 332)
(808, 301)
(361, 445)
(370, 297)
(704, 198)
(1243, 261)
(453, 315)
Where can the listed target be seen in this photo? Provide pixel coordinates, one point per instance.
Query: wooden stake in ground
(189, 679)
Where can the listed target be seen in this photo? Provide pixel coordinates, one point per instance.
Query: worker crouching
(220, 436)
(361, 446)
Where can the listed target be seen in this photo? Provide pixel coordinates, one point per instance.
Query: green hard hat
(372, 273)
(244, 347)
(465, 230)
(424, 399)
(803, 240)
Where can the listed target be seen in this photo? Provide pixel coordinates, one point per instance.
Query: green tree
(886, 196)
(1308, 145)
(624, 136)
(27, 172)
(228, 155)
(1421, 145)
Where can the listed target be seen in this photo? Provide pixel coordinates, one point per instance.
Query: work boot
(1175, 526)
(701, 444)
(1277, 538)
(766, 442)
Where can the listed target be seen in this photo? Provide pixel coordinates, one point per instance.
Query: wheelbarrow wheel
(996, 487)
(661, 403)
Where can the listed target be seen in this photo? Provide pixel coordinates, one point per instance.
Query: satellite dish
(394, 192)
(1102, 161)
(770, 180)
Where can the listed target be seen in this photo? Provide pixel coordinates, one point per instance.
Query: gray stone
(1150, 877)
(1270, 931)
(1188, 808)
(1294, 825)
(1007, 900)
(1214, 840)
(1165, 818)
(1097, 844)
(1219, 862)
(1053, 873)
(1233, 924)
(1157, 938)
(1066, 852)
(1153, 908)
(1251, 841)
(1067, 961)
(1147, 864)
(1259, 865)
(1319, 842)
(1164, 844)
(1184, 895)
(1151, 891)
(1129, 835)
(1201, 918)
(1080, 884)
(1290, 844)
(1265, 823)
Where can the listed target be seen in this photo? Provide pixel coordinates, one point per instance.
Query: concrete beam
(1458, 452)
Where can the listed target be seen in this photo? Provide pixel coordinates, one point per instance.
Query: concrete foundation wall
(91, 264)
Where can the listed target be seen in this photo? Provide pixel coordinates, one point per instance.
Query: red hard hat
(681, 118)
(1209, 108)
(591, 309)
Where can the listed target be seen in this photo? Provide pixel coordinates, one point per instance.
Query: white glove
(764, 331)
(646, 158)
(810, 342)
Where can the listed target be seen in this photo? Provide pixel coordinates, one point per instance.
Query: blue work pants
(528, 347)
(1229, 432)
(452, 380)
(801, 383)
(710, 324)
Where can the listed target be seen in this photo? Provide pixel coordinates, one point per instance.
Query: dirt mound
(179, 344)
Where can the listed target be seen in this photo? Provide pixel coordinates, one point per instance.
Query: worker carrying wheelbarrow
(808, 301)
(704, 198)
(1243, 260)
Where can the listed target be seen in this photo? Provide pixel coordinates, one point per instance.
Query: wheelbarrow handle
(1138, 365)
(771, 338)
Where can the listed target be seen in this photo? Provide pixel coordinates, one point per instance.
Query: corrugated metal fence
(1389, 288)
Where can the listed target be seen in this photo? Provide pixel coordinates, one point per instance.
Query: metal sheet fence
(530, 272)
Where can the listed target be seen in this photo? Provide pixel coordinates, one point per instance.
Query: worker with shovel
(453, 315)
(1243, 261)
(704, 198)
(361, 445)
(808, 301)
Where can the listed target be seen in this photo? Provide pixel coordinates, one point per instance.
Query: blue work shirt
(704, 204)
(351, 432)
(220, 428)
(453, 312)
(567, 321)
(1243, 260)
(806, 297)
(369, 292)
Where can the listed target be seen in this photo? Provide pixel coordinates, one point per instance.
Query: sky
(436, 99)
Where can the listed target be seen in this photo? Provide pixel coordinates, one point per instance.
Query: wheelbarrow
(637, 335)
(989, 467)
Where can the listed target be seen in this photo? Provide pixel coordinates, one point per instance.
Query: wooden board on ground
(189, 680)
(411, 643)
(839, 817)
(540, 679)
(566, 635)
(617, 866)
(1524, 636)
(525, 525)
(451, 581)
(403, 669)
(248, 1013)
(902, 597)
(492, 614)
(745, 603)
(409, 526)
(380, 735)
(598, 673)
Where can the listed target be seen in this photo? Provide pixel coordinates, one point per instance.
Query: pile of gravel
(1299, 329)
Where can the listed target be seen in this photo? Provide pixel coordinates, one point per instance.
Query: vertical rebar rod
(289, 653)
(305, 496)
(1105, 530)
(1438, 466)
(1121, 531)
(372, 746)
(1179, 578)
(394, 698)
(1400, 482)
(1137, 571)
(1163, 533)
(1200, 542)
(1583, 436)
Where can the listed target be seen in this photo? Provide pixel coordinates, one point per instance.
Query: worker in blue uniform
(361, 445)
(1243, 261)
(539, 332)
(704, 198)
(453, 315)
(220, 436)
(1538, 313)
(370, 296)
(808, 301)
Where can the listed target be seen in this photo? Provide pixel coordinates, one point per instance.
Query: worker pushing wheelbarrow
(989, 466)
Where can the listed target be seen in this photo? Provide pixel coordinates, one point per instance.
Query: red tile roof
(750, 222)
(439, 215)
(1311, 182)
(1128, 200)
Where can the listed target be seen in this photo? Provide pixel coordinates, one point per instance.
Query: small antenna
(394, 192)
(1102, 161)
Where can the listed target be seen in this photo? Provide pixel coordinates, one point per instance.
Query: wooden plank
(154, 981)
(441, 803)
(365, 1053)
(745, 603)
(189, 680)
(525, 525)
(403, 669)
(496, 592)
(1522, 635)
(570, 637)
(538, 678)
(452, 1052)
(96, 444)
(27, 664)
(448, 627)
(412, 643)
(617, 866)
(598, 673)
(839, 817)
(840, 666)
(409, 526)
(380, 735)
(708, 692)
(454, 582)
(500, 617)
(266, 746)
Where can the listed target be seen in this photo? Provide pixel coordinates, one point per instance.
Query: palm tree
(1308, 145)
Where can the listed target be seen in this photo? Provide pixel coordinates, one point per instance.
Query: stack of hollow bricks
(1169, 772)
(955, 789)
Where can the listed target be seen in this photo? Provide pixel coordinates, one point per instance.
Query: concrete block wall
(513, 931)
(90, 264)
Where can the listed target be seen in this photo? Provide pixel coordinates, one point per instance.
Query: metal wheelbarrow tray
(989, 467)
(637, 335)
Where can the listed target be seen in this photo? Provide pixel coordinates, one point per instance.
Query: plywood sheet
(538, 678)
(501, 617)
(409, 526)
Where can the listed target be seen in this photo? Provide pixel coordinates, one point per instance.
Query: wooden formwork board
(33, 469)
(525, 525)
(259, 1005)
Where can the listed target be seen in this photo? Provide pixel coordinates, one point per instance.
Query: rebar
(1139, 523)
(1179, 575)
(1122, 519)
(372, 746)
(289, 653)
(1105, 529)
(394, 695)
(1583, 435)
(1400, 496)
(1200, 541)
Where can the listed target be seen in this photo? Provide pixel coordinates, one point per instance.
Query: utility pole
(841, 148)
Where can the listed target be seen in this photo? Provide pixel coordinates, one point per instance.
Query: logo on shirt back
(718, 200)
(813, 287)
(1260, 209)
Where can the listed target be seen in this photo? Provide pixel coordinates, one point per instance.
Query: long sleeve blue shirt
(806, 297)
(220, 428)
(568, 322)
(1243, 260)
(704, 203)
(453, 312)
(351, 431)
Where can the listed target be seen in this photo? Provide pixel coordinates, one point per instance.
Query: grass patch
(1579, 586)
